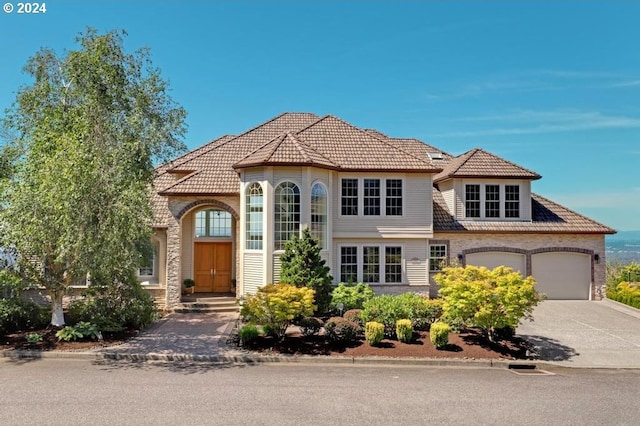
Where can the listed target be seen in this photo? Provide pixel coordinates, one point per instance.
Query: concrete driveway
(585, 333)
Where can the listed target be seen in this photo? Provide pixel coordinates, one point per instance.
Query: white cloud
(532, 122)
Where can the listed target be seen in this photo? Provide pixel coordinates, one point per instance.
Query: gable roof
(479, 163)
(547, 217)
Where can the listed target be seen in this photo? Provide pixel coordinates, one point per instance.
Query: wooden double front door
(212, 267)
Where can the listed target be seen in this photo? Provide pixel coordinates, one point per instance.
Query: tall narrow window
(472, 201)
(254, 217)
(349, 264)
(319, 214)
(437, 257)
(147, 263)
(512, 201)
(394, 197)
(349, 197)
(372, 197)
(392, 265)
(287, 213)
(213, 223)
(371, 264)
(492, 201)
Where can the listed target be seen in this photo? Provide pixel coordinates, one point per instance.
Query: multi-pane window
(349, 264)
(437, 257)
(394, 197)
(146, 266)
(350, 197)
(254, 217)
(371, 264)
(512, 201)
(319, 214)
(393, 265)
(372, 197)
(472, 201)
(492, 201)
(286, 214)
(213, 223)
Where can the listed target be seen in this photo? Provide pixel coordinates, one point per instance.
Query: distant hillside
(623, 246)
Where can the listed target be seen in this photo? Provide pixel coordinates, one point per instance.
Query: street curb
(250, 359)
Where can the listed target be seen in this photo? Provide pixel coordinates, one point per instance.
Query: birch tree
(89, 128)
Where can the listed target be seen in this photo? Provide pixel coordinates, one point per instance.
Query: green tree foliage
(350, 296)
(302, 266)
(489, 299)
(77, 198)
(275, 306)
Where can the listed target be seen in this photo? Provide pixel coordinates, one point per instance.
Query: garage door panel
(492, 259)
(562, 275)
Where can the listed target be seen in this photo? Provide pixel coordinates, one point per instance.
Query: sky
(551, 86)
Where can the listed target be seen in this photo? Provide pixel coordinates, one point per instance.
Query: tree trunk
(57, 315)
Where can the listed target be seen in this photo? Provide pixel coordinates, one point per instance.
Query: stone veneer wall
(179, 206)
(461, 243)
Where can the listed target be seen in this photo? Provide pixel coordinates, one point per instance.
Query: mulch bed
(50, 341)
(470, 344)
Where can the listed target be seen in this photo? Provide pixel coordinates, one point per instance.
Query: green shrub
(626, 293)
(248, 334)
(404, 330)
(374, 333)
(33, 338)
(82, 330)
(276, 305)
(353, 315)
(17, 314)
(341, 331)
(302, 266)
(351, 296)
(387, 309)
(310, 325)
(115, 307)
(439, 334)
(489, 299)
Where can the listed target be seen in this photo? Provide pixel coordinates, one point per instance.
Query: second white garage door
(562, 275)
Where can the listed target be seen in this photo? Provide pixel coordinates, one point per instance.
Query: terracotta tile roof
(479, 163)
(548, 217)
(285, 149)
(351, 148)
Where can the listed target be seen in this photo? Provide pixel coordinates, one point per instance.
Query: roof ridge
(204, 148)
(299, 147)
(510, 162)
(533, 194)
(301, 144)
(423, 142)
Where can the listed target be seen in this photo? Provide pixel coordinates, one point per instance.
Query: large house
(386, 211)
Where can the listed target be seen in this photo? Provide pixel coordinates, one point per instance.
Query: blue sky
(554, 87)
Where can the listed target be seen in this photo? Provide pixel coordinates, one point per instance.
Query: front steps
(209, 304)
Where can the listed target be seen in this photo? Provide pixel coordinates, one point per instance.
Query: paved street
(81, 392)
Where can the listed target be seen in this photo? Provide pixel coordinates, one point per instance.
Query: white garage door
(562, 275)
(491, 259)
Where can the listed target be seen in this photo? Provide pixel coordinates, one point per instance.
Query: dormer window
(491, 201)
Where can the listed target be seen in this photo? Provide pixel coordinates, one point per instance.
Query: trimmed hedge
(341, 331)
(439, 334)
(374, 333)
(404, 330)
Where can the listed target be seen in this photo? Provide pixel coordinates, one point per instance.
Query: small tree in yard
(276, 305)
(75, 198)
(302, 266)
(489, 299)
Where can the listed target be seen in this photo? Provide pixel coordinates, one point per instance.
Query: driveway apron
(602, 334)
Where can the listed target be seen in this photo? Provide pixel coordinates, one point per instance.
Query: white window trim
(246, 221)
(327, 211)
(446, 256)
(273, 215)
(382, 261)
(383, 198)
(483, 200)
